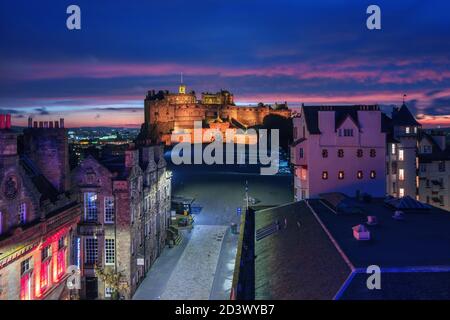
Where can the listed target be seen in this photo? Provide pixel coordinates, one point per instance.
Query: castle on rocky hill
(169, 115)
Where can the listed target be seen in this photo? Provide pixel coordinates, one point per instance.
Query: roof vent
(267, 230)
(398, 215)
(372, 220)
(360, 232)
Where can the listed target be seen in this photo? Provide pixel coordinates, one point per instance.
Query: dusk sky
(312, 52)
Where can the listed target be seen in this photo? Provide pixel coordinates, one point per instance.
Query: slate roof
(403, 117)
(299, 261)
(311, 114)
(288, 265)
(43, 186)
(437, 153)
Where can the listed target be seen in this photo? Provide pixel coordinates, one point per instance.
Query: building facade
(167, 113)
(402, 153)
(434, 170)
(125, 215)
(338, 148)
(38, 215)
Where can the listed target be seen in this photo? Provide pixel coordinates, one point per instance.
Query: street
(202, 266)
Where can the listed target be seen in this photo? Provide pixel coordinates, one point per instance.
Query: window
(423, 167)
(401, 174)
(340, 153)
(359, 153)
(427, 149)
(324, 153)
(45, 273)
(109, 209)
(90, 206)
(441, 166)
(348, 132)
(359, 175)
(401, 155)
(25, 266)
(90, 249)
(393, 148)
(401, 192)
(373, 153)
(61, 242)
(415, 129)
(46, 252)
(108, 292)
(22, 213)
(407, 130)
(325, 175)
(110, 251)
(341, 175)
(373, 174)
(25, 286)
(300, 153)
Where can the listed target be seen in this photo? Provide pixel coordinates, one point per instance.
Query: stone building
(434, 170)
(126, 211)
(338, 148)
(167, 113)
(38, 215)
(401, 153)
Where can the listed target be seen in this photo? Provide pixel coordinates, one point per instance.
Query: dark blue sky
(266, 50)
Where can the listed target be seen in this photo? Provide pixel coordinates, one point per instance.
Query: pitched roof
(341, 113)
(403, 117)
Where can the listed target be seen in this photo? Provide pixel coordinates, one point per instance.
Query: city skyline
(320, 53)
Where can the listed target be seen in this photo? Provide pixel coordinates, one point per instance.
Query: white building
(339, 149)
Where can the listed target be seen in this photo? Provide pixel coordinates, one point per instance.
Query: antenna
(404, 96)
(181, 78)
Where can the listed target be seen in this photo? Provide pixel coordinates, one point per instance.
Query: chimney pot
(61, 122)
(41, 124)
(30, 122)
(50, 124)
(56, 124)
(35, 124)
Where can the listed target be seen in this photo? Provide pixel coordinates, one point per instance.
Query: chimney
(61, 123)
(439, 138)
(30, 122)
(41, 124)
(35, 124)
(45, 124)
(8, 121)
(131, 158)
(394, 112)
(50, 124)
(2, 121)
(56, 124)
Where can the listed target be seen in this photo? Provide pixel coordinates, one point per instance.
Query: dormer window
(348, 132)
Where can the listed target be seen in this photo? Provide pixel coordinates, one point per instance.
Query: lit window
(22, 213)
(373, 174)
(109, 209)
(25, 266)
(45, 273)
(341, 175)
(25, 280)
(109, 251)
(46, 252)
(401, 174)
(325, 175)
(407, 130)
(400, 155)
(108, 292)
(90, 249)
(359, 175)
(61, 242)
(90, 206)
(401, 192)
(415, 129)
(393, 148)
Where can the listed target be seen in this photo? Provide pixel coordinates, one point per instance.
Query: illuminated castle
(174, 113)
